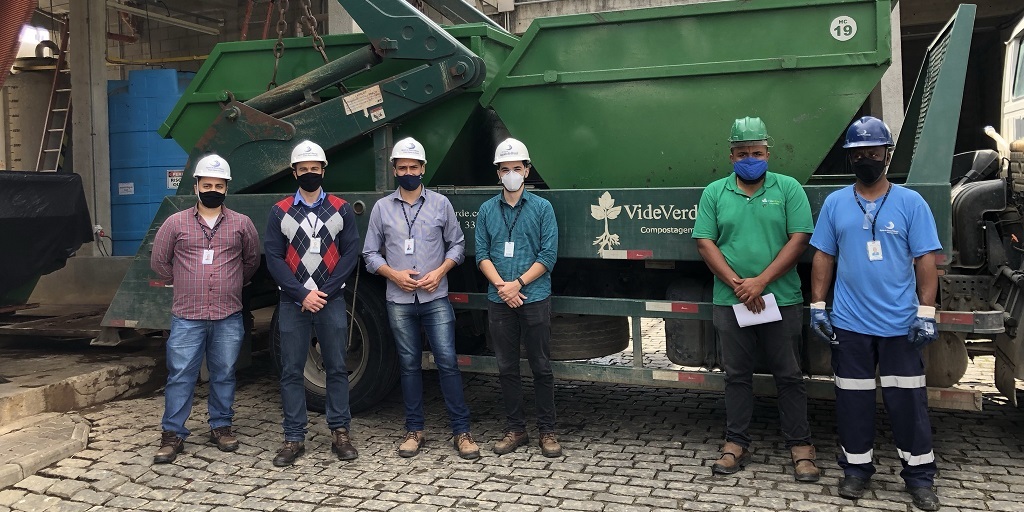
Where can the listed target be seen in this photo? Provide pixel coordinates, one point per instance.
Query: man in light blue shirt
(414, 239)
(516, 248)
(881, 240)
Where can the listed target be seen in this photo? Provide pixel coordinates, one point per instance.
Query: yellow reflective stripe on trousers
(855, 384)
(896, 381)
(858, 458)
(916, 460)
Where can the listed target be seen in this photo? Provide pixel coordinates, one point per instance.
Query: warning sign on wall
(174, 178)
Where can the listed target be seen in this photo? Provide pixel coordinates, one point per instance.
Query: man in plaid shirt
(207, 252)
(312, 246)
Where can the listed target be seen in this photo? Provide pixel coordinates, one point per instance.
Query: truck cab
(1013, 85)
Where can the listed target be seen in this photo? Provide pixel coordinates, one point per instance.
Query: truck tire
(691, 342)
(945, 360)
(371, 358)
(577, 337)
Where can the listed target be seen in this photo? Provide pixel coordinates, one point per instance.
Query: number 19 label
(843, 28)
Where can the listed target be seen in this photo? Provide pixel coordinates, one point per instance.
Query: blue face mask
(750, 169)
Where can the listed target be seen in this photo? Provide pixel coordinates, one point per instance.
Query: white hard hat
(212, 166)
(511, 150)
(409, 148)
(308, 151)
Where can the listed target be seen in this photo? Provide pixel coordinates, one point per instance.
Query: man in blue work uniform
(516, 248)
(881, 240)
(414, 239)
(751, 228)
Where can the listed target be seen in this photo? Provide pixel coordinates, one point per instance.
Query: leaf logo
(605, 210)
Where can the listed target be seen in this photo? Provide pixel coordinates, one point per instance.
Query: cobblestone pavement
(627, 448)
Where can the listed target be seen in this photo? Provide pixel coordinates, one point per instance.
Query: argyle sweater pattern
(293, 265)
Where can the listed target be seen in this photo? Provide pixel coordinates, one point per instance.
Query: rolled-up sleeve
(549, 238)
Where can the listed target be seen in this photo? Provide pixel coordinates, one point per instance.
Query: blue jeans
(297, 328)
(190, 340)
(437, 319)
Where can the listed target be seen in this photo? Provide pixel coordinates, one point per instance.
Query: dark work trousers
(529, 324)
(780, 343)
(901, 373)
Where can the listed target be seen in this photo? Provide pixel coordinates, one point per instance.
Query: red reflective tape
(684, 307)
(459, 298)
(940, 259)
(117, 323)
(464, 360)
(691, 377)
(956, 318)
(157, 283)
(639, 254)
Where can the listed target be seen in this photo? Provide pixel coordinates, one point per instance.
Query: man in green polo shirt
(751, 228)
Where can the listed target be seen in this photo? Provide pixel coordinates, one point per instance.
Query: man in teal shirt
(751, 228)
(516, 248)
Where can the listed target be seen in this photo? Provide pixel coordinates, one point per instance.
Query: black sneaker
(852, 487)
(924, 498)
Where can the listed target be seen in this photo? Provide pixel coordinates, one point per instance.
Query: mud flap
(1008, 351)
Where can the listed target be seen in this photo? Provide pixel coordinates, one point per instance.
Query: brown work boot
(342, 445)
(510, 442)
(734, 458)
(804, 469)
(412, 443)
(466, 447)
(289, 451)
(224, 438)
(170, 446)
(549, 446)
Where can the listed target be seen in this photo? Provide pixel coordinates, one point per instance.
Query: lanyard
(514, 219)
(874, 218)
(316, 216)
(414, 217)
(209, 236)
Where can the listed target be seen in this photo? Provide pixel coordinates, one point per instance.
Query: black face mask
(868, 170)
(311, 181)
(409, 182)
(211, 199)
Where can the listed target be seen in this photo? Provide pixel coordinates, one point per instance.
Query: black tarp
(43, 221)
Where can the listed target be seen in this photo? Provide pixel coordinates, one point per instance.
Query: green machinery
(626, 115)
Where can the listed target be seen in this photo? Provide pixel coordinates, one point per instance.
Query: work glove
(923, 331)
(821, 325)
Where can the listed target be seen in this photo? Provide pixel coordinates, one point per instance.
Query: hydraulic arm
(258, 134)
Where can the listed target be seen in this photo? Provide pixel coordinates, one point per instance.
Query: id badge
(410, 245)
(314, 244)
(207, 256)
(510, 249)
(874, 250)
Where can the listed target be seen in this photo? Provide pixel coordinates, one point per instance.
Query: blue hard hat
(868, 131)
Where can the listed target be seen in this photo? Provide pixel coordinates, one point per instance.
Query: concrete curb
(31, 444)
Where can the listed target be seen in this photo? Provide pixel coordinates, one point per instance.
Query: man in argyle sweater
(312, 247)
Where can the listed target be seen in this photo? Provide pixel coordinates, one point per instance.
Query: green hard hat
(748, 129)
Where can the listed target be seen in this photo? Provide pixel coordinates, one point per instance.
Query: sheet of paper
(771, 313)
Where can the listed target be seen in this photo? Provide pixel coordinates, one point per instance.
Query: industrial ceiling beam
(111, 4)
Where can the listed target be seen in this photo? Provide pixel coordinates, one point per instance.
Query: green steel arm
(258, 135)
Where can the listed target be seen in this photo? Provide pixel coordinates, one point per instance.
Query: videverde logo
(605, 210)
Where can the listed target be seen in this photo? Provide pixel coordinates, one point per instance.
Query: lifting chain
(282, 25)
(310, 21)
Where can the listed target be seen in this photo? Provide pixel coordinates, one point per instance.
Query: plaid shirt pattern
(206, 291)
